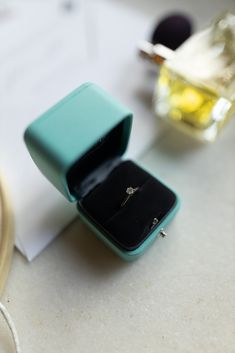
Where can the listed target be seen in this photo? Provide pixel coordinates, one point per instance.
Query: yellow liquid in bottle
(190, 107)
(196, 85)
(186, 103)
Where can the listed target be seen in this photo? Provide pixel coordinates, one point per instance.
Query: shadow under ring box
(78, 145)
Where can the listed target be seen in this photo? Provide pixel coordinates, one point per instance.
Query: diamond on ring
(129, 191)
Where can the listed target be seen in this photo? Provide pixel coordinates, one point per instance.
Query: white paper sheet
(44, 54)
(37, 44)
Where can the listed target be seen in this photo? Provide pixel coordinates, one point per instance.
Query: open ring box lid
(78, 144)
(60, 140)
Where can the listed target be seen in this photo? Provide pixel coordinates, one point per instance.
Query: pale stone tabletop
(179, 297)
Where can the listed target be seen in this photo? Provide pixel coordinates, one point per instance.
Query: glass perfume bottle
(195, 90)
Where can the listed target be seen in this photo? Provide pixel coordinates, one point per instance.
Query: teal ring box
(78, 145)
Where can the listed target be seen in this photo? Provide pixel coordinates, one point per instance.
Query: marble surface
(179, 297)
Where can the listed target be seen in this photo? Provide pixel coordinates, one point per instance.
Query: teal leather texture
(62, 135)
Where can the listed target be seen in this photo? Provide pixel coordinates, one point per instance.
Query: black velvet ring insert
(130, 225)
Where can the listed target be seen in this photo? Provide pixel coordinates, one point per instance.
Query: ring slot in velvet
(105, 200)
(130, 225)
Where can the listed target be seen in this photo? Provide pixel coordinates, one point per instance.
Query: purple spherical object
(172, 30)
